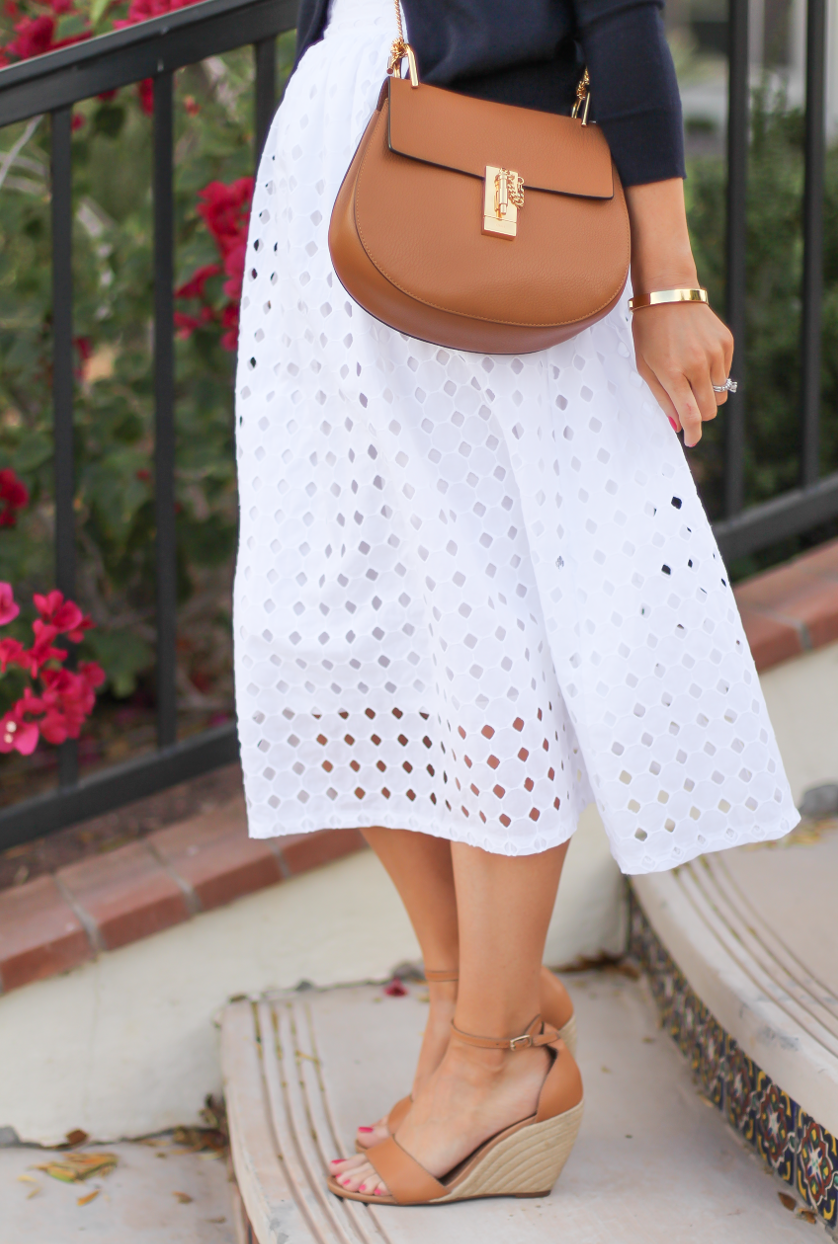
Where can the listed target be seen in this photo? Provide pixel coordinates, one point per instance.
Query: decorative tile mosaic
(797, 1148)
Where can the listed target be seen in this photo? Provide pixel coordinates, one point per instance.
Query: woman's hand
(682, 349)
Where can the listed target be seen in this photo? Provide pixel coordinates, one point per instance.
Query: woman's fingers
(683, 399)
(699, 378)
(719, 372)
(661, 396)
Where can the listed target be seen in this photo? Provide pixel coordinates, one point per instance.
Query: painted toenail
(364, 1129)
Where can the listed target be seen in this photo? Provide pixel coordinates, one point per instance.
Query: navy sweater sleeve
(532, 55)
(634, 91)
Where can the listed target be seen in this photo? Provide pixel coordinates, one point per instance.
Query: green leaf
(98, 8)
(109, 119)
(123, 655)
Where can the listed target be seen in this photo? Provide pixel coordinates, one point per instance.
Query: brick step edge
(58, 922)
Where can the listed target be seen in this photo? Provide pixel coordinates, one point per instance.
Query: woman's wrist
(661, 255)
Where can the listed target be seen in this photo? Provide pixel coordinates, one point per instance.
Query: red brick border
(793, 608)
(57, 922)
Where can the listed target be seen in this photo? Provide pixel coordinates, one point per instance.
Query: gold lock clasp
(503, 194)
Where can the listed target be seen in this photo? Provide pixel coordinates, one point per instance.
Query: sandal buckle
(521, 1043)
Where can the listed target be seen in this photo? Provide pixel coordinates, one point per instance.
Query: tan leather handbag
(477, 225)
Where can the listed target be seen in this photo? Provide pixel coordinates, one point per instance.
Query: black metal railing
(156, 49)
(53, 83)
(815, 500)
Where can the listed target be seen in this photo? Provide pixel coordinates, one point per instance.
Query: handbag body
(477, 225)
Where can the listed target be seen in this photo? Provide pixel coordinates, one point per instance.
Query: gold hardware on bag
(583, 98)
(503, 194)
(399, 50)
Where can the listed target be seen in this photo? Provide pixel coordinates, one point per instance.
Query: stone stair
(741, 949)
(652, 1163)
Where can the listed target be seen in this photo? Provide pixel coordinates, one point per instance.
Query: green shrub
(773, 309)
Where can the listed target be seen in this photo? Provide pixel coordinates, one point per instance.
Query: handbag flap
(550, 152)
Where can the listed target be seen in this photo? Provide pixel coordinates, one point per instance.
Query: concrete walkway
(654, 1163)
(158, 1194)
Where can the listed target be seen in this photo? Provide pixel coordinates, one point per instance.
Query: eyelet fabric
(473, 594)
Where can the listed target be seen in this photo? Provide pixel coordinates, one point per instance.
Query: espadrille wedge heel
(556, 1010)
(523, 1160)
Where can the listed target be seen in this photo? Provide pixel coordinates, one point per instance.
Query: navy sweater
(532, 53)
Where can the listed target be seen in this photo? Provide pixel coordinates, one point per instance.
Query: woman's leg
(504, 906)
(420, 868)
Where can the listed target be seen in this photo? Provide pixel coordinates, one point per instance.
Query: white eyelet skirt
(473, 593)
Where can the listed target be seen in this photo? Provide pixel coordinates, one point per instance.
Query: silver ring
(729, 386)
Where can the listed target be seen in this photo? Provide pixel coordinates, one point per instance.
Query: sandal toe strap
(408, 1182)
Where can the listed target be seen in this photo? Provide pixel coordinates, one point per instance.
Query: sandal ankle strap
(440, 975)
(537, 1033)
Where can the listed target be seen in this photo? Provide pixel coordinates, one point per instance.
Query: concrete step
(652, 1163)
(742, 952)
(184, 1199)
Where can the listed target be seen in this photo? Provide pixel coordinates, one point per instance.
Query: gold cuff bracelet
(667, 295)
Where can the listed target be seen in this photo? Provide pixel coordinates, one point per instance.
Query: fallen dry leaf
(787, 1202)
(183, 1197)
(76, 1137)
(91, 1196)
(78, 1166)
(27, 1179)
(808, 1215)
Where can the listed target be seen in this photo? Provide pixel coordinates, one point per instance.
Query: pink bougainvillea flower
(17, 735)
(234, 267)
(14, 495)
(145, 90)
(34, 37)
(11, 653)
(42, 649)
(64, 615)
(395, 989)
(92, 673)
(65, 697)
(194, 287)
(230, 320)
(225, 211)
(9, 609)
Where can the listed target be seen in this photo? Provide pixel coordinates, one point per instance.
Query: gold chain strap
(401, 48)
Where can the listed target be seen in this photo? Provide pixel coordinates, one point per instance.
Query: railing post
(164, 400)
(264, 56)
(738, 99)
(812, 294)
(61, 208)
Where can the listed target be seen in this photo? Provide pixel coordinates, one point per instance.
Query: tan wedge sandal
(523, 1160)
(556, 1010)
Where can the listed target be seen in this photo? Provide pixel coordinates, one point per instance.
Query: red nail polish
(674, 424)
(364, 1129)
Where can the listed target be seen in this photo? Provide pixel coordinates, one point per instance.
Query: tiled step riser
(793, 1144)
